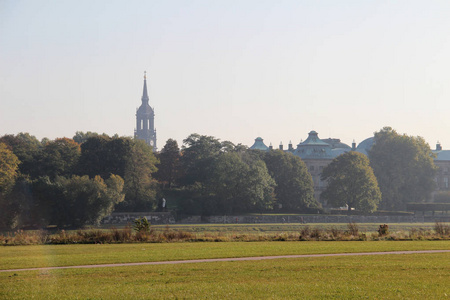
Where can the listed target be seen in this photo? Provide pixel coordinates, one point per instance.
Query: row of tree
(71, 182)
(211, 177)
(399, 170)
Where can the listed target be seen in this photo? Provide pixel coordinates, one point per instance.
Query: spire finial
(144, 93)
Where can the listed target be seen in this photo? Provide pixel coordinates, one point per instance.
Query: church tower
(145, 120)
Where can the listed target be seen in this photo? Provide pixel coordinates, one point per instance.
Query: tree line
(78, 181)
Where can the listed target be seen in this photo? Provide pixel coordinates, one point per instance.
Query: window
(446, 182)
(142, 124)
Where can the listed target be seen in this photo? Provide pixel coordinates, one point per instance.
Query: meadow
(413, 276)
(230, 232)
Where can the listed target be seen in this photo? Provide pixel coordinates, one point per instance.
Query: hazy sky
(231, 69)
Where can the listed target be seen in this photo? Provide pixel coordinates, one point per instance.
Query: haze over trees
(351, 182)
(169, 163)
(294, 185)
(75, 182)
(222, 178)
(60, 182)
(9, 165)
(404, 168)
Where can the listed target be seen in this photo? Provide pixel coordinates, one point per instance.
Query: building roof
(338, 151)
(365, 145)
(314, 148)
(259, 145)
(145, 107)
(442, 155)
(336, 143)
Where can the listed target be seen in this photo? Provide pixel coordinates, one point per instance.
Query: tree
(94, 157)
(102, 155)
(238, 183)
(351, 182)
(140, 187)
(169, 166)
(86, 201)
(129, 158)
(26, 147)
(9, 165)
(404, 168)
(59, 158)
(198, 154)
(80, 137)
(295, 188)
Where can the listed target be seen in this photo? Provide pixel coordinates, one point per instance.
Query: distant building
(316, 153)
(145, 120)
(259, 145)
(442, 161)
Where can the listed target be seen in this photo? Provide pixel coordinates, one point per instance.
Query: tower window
(142, 124)
(148, 123)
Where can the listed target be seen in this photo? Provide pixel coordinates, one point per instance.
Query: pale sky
(231, 69)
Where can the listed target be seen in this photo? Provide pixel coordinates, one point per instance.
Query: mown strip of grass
(287, 228)
(67, 255)
(412, 276)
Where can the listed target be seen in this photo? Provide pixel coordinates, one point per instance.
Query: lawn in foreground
(412, 276)
(16, 257)
(286, 228)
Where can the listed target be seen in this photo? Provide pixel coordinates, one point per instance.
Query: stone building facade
(442, 161)
(318, 153)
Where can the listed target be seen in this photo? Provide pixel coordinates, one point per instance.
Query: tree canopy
(59, 158)
(239, 183)
(199, 152)
(140, 187)
(26, 147)
(404, 168)
(351, 182)
(169, 163)
(9, 164)
(294, 186)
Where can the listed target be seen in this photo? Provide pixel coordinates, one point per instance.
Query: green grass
(412, 276)
(65, 255)
(287, 228)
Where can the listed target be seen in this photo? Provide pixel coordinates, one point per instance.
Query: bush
(442, 229)
(305, 233)
(141, 225)
(353, 229)
(383, 230)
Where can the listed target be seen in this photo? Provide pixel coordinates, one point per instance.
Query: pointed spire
(144, 93)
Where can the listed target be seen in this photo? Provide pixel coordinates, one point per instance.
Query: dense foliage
(64, 183)
(351, 182)
(9, 164)
(75, 182)
(169, 163)
(404, 168)
(294, 186)
(222, 178)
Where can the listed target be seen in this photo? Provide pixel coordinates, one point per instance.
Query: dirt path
(225, 259)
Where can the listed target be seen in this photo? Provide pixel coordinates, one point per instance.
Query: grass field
(16, 257)
(288, 227)
(413, 276)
